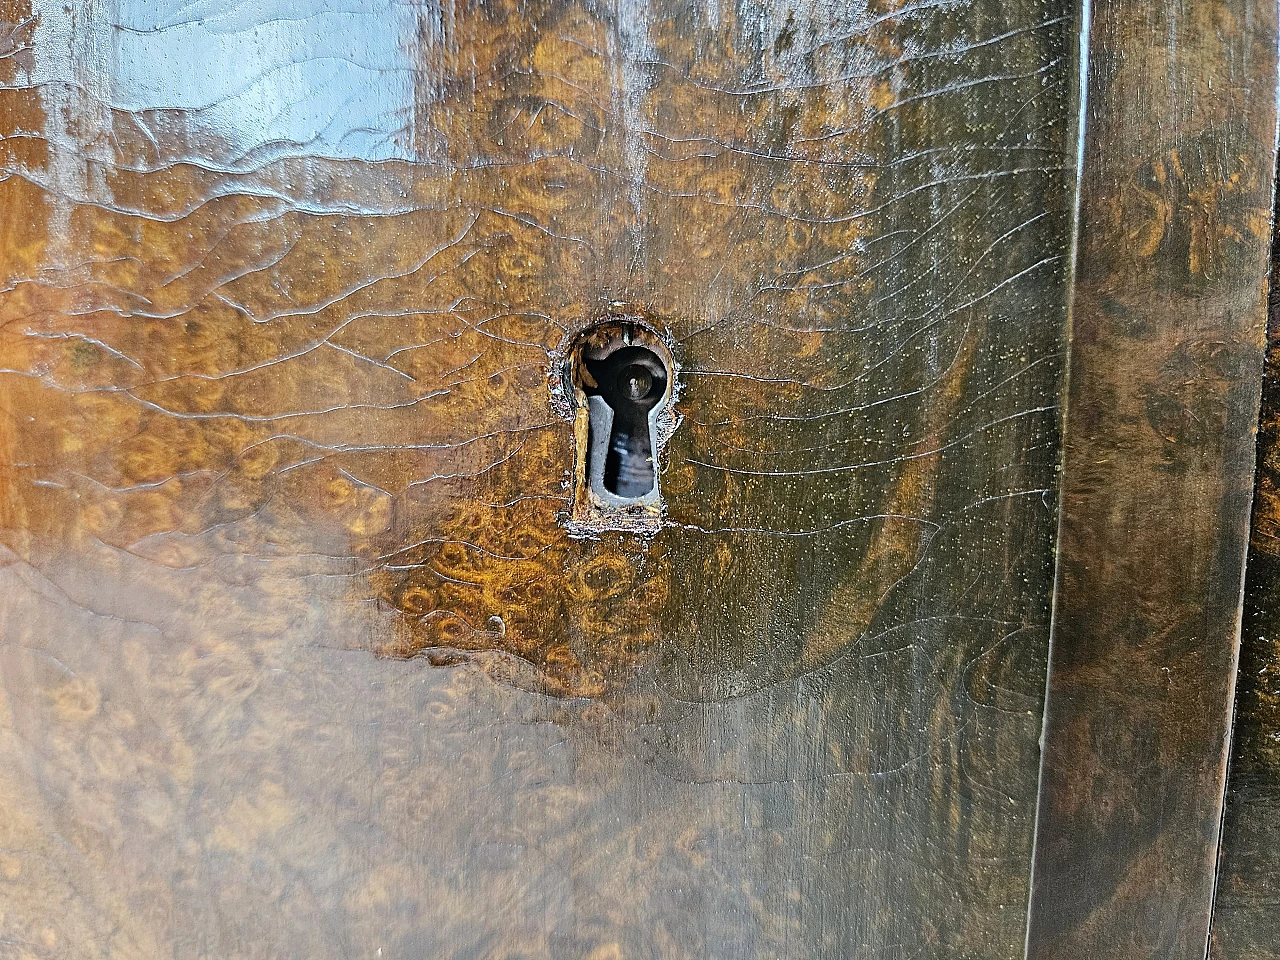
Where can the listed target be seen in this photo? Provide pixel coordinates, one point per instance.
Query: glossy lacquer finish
(320, 635)
(1167, 322)
(300, 659)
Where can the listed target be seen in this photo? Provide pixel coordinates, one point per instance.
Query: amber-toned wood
(1167, 319)
(1246, 916)
(299, 656)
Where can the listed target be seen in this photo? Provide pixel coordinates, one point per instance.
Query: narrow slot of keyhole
(631, 381)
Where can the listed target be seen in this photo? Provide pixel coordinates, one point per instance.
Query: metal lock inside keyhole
(616, 382)
(625, 391)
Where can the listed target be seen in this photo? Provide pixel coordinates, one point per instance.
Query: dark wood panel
(1167, 329)
(1246, 916)
(299, 656)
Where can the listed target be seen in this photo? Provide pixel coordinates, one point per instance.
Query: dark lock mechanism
(630, 388)
(616, 382)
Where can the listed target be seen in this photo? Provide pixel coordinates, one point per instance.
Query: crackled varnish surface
(298, 658)
(298, 655)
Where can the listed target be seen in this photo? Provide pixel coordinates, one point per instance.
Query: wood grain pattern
(1166, 351)
(1246, 914)
(299, 659)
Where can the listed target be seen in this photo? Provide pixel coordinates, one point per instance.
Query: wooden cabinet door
(326, 630)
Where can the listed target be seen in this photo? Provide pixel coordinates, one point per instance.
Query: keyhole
(629, 384)
(616, 382)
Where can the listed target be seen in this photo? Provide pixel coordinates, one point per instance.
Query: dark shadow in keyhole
(631, 381)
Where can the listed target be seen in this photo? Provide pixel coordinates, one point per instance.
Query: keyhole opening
(616, 381)
(630, 381)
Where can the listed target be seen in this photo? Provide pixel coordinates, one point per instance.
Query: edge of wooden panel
(1164, 373)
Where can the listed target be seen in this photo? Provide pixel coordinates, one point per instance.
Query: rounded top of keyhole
(635, 381)
(632, 380)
